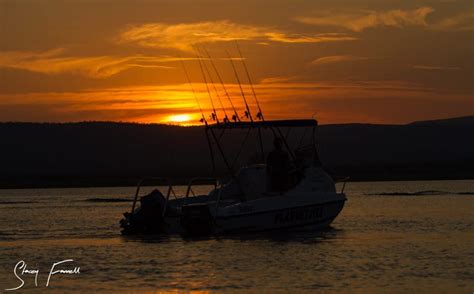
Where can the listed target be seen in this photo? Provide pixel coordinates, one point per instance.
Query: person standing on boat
(278, 164)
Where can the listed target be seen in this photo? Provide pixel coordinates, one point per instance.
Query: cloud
(184, 35)
(332, 37)
(335, 102)
(430, 67)
(363, 20)
(279, 79)
(463, 21)
(337, 59)
(54, 62)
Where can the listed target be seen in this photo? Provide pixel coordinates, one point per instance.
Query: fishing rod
(259, 114)
(226, 118)
(214, 113)
(247, 111)
(235, 117)
(203, 118)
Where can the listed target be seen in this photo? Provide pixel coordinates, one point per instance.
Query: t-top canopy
(266, 124)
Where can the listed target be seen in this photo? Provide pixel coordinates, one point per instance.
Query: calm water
(390, 237)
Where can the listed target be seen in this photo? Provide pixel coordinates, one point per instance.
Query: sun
(181, 119)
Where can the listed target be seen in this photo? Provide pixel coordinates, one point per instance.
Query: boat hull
(285, 212)
(314, 216)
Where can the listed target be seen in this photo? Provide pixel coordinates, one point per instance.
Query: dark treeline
(109, 154)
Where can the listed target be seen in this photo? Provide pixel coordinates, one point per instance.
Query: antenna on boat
(235, 116)
(259, 114)
(203, 118)
(214, 113)
(226, 118)
(247, 109)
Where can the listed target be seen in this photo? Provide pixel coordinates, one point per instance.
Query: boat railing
(342, 180)
(199, 181)
(162, 180)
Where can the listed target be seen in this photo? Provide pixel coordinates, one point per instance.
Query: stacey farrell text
(21, 270)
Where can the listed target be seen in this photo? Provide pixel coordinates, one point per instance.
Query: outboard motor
(148, 218)
(196, 219)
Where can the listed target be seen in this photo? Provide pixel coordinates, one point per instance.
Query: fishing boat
(247, 202)
(282, 189)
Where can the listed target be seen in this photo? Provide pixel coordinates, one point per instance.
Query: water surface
(390, 237)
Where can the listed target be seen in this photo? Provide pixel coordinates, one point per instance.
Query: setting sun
(181, 119)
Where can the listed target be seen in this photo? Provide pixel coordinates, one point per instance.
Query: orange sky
(340, 61)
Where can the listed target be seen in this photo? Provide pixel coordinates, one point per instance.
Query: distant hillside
(104, 153)
(457, 121)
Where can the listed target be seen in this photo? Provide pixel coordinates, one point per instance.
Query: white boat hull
(313, 203)
(312, 211)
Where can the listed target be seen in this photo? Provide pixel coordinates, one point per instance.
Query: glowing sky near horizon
(375, 61)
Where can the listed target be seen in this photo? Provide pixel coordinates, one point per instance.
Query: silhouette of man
(278, 165)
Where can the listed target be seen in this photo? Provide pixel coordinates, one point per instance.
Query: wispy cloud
(279, 79)
(431, 67)
(362, 20)
(55, 62)
(277, 97)
(337, 59)
(331, 37)
(369, 19)
(459, 22)
(183, 36)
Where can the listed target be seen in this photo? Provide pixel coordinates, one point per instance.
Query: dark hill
(104, 153)
(456, 121)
